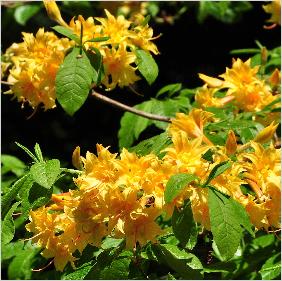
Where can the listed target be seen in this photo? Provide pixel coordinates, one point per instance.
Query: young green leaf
(147, 66)
(154, 145)
(24, 182)
(218, 170)
(45, 173)
(186, 264)
(225, 223)
(169, 90)
(184, 226)
(12, 164)
(73, 81)
(38, 152)
(67, 33)
(28, 152)
(176, 184)
(271, 268)
(24, 12)
(7, 226)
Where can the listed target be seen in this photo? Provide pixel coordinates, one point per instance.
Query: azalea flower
(273, 8)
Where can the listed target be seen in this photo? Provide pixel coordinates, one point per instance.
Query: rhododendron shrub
(200, 199)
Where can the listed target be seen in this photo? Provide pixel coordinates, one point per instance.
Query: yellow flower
(35, 65)
(118, 68)
(274, 8)
(54, 12)
(266, 134)
(192, 124)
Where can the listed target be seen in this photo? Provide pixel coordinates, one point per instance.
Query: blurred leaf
(24, 182)
(73, 81)
(176, 184)
(184, 226)
(220, 267)
(264, 240)
(169, 90)
(7, 226)
(154, 145)
(45, 173)
(26, 11)
(147, 66)
(186, 264)
(11, 249)
(271, 268)
(67, 33)
(12, 164)
(20, 267)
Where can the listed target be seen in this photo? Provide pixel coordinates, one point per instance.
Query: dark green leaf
(208, 155)
(147, 66)
(119, 269)
(24, 12)
(271, 268)
(20, 267)
(169, 89)
(220, 267)
(12, 164)
(29, 153)
(80, 272)
(23, 183)
(186, 264)
(218, 170)
(154, 145)
(38, 152)
(7, 226)
(176, 184)
(225, 223)
(264, 241)
(45, 173)
(73, 81)
(184, 226)
(67, 33)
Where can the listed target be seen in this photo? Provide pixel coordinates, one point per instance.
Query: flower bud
(76, 161)
(212, 82)
(231, 143)
(266, 134)
(275, 77)
(54, 12)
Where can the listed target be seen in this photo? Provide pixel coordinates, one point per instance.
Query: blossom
(35, 65)
(274, 8)
(118, 68)
(54, 12)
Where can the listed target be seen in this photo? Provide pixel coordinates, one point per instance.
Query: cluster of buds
(123, 196)
(33, 64)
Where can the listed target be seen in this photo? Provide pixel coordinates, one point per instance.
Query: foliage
(198, 199)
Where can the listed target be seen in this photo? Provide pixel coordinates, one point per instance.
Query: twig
(6, 83)
(129, 108)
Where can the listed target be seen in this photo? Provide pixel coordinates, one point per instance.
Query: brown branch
(129, 108)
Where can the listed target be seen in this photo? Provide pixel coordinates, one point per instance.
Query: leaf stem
(71, 171)
(122, 106)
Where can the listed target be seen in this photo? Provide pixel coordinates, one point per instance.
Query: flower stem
(129, 108)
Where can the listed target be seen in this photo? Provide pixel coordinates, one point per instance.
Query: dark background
(186, 48)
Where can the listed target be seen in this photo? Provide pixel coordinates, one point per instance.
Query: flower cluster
(242, 85)
(33, 64)
(123, 196)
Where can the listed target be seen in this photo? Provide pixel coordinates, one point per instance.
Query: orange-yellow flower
(274, 8)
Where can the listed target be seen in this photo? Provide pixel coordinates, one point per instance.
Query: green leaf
(208, 156)
(24, 182)
(225, 223)
(25, 12)
(264, 241)
(28, 152)
(176, 184)
(220, 267)
(154, 145)
(218, 170)
(20, 267)
(67, 33)
(96, 61)
(45, 173)
(271, 268)
(110, 242)
(80, 272)
(38, 152)
(186, 264)
(169, 89)
(12, 164)
(7, 226)
(11, 249)
(184, 226)
(119, 269)
(98, 39)
(131, 125)
(147, 66)
(73, 81)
